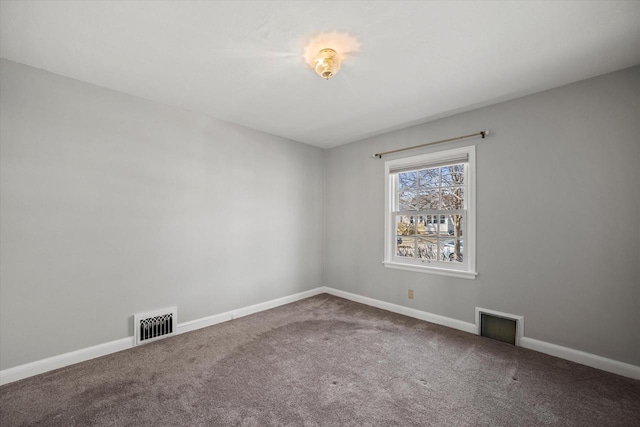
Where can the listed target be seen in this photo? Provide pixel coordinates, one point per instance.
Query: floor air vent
(499, 326)
(155, 325)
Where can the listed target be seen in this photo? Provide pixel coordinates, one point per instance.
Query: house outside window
(430, 213)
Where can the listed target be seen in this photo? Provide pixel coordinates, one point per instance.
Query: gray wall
(112, 205)
(558, 216)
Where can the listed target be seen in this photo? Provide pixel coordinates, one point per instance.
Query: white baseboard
(192, 325)
(203, 322)
(411, 312)
(245, 311)
(60, 361)
(66, 359)
(588, 359)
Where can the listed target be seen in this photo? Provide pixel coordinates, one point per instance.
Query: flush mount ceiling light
(325, 52)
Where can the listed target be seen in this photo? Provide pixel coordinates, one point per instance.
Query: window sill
(431, 270)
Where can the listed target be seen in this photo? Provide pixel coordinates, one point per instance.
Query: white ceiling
(242, 61)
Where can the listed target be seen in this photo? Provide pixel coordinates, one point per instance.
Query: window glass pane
(428, 199)
(428, 248)
(405, 246)
(405, 225)
(407, 181)
(455, 225)
(453, 175)
(407, 185)
(439, 225)
(421, 226)
(451, 250)
(452, 198)
(407, 201)
(432, 228)
(429, 177)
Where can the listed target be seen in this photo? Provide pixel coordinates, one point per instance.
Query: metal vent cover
(155, 325)
(500, 326)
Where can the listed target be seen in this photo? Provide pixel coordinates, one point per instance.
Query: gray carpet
(324, 361)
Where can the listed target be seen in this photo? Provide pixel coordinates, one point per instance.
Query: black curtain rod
(483, 133)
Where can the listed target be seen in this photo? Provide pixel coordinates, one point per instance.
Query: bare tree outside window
(430, 217)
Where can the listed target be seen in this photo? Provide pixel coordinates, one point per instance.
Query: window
(430, 213)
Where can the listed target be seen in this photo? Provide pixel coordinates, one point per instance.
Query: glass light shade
(327, 63)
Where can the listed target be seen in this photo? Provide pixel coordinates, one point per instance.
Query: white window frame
(466, 269)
